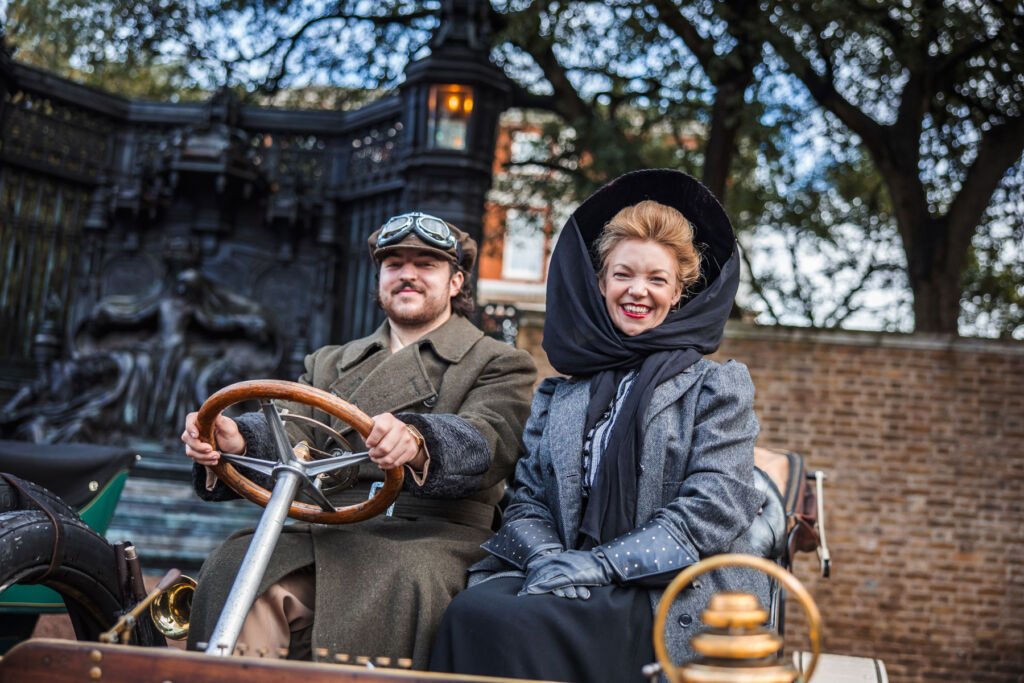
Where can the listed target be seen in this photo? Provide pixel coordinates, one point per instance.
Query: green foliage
(823, 250)
(934, 92)
(122, 46)
(170, 49)
(956, 65)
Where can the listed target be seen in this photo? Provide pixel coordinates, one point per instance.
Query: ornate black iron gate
(181, 246)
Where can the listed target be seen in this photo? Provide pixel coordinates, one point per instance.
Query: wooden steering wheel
(266, 391)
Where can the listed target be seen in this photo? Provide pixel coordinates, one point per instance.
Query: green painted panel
(98, 511)
(19, 598)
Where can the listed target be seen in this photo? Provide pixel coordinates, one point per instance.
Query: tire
(12, 499)
(86, 576)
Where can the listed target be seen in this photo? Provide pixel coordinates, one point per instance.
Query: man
(448, 404)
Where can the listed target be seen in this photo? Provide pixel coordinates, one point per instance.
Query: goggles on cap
(430, 229)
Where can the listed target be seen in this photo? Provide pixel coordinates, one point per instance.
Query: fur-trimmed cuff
(219, 491)
(459, 455)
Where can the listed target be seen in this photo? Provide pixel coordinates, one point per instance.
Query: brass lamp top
(734, 610)
(737, 648)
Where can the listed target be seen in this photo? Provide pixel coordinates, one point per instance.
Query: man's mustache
(405, 284)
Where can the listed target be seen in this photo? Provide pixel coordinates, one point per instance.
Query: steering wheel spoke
(314, 492)
(336, 463)
(277, 431)
(342, 442)
(268, 391)
(265, 467)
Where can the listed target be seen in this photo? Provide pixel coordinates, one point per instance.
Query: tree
(826, 251)
(931, 90)
(922, 103)
(993, 301)
(934, 92)
(122, 47)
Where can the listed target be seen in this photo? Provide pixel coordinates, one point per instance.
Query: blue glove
(567, 574)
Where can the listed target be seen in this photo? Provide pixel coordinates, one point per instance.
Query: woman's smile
(636, 310)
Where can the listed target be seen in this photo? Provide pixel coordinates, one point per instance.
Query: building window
(523, 253)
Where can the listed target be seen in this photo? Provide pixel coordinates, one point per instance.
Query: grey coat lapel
(566, 418)
(655, 448)
(667, 393)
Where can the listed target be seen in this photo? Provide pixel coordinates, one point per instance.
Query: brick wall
(922, 439)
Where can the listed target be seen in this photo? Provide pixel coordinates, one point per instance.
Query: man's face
(416, 287)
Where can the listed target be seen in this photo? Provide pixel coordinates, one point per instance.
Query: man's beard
(431, 308)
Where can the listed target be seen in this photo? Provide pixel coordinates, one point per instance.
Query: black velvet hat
(713, 233)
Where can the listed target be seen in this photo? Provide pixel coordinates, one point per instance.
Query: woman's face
(640, 285)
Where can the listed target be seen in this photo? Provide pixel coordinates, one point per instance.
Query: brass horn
(172, 609)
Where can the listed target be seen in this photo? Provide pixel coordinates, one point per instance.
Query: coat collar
(669, 391)
(359, 349)
(409, 379)
(451, 341)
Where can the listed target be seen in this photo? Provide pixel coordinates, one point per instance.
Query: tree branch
(702, 48)
(567, 101)
(272, 83)
(834, 318)
(755, 284)
(824, 90)
(1001, 146)
(801, 283)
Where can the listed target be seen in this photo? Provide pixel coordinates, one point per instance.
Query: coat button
(685, 620)
(430, 401)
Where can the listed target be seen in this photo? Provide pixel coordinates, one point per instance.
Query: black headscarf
(581, 340)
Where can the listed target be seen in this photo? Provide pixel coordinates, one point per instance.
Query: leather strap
(58, 525)
(459, 511)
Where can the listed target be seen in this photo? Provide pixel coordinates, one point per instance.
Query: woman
(638, 464)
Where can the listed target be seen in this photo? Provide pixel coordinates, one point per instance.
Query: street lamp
(452, 98)
(449, 109)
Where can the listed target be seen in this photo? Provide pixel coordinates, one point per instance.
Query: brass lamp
(737, 647)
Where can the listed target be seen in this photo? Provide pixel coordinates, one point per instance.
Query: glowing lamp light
(450, 108)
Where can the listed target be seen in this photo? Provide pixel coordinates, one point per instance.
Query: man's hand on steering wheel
(229, 439)
(392, 443)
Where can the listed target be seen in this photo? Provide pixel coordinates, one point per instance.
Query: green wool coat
(383, 584)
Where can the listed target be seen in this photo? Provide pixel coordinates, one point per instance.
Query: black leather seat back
(76, 472)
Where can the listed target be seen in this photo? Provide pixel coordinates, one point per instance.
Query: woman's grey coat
(696, 477)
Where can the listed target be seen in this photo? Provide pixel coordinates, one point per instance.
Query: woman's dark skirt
(489, 630)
